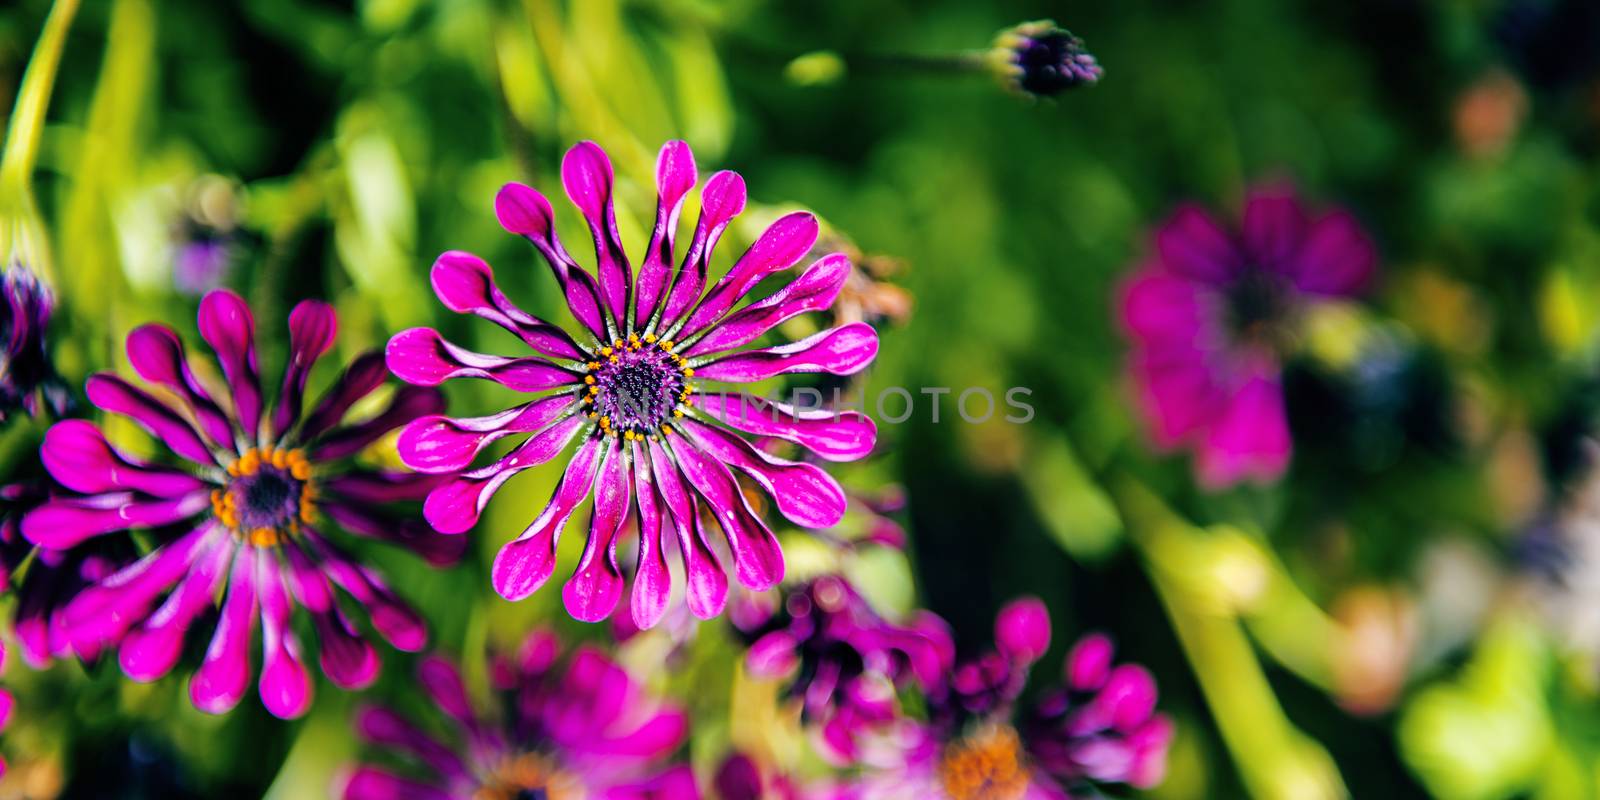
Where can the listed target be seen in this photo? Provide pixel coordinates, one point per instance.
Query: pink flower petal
(706, 582)
(721, 200)
(227, 325)
(595, 588)
(781, 246)
(1022, 630)
(399, 625)
(285, 684)
(1274, 225)
(69, 521)
(312, 328)
(151, 650)
(525, 212)
(363, 377)
(439, 444)
(814, 290)
(525, 563)
(77, 454)
(455, 506)
(422, 357)
(385, 728)
(1337, 258)
(652, 581)
(120, 397)
(1250, 438)
(224, 675)
(465, 284)
(99, 615)
(1193, 244)
(757, 557)
(834, 435)
(1089, 663)
(157, 354)
(586, 175)
(675, 176)
(374, 783)
(844, 350)
(804, 493)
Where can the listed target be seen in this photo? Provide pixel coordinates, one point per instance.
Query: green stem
(27, 118)
(22, 233)
(1274, 759)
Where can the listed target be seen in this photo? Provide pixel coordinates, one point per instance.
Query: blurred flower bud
(1370, 667)
(27, 375)
(1022, 630)
(1043, 60)
(1488, 114)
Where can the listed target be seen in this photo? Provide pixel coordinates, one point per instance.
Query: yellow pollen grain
(605, 351)
(593, 365)
(589, 379)
(650, 338)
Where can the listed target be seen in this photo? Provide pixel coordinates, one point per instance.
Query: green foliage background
(367, 137)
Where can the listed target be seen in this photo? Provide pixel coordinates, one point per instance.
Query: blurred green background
(1404, 616)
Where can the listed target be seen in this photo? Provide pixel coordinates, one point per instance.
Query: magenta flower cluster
(238, 528)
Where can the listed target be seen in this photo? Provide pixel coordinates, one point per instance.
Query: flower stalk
(22, 233)
(1275, 760)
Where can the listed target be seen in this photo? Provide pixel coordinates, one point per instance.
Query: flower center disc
(528, 777)
(986, 765)
(268, 494)
(1260, 307)
(635, 387)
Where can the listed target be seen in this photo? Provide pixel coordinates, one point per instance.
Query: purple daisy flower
(245, 515)
(582, 729)
(27, 376)
(842, 661)
(1100, 731)
(627, 389)
(1212, 316)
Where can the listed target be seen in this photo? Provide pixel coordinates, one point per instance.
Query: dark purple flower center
(268, 494)
(1260, 306)
(636, 386)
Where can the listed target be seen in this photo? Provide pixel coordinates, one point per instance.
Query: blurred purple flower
(1214, 312)
(27, 376)
(626, 394)
(1100, 730)
(582, 730)
(244, 515)
(45, 581)
(201, 264)
(841, 660)
(206, 235)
